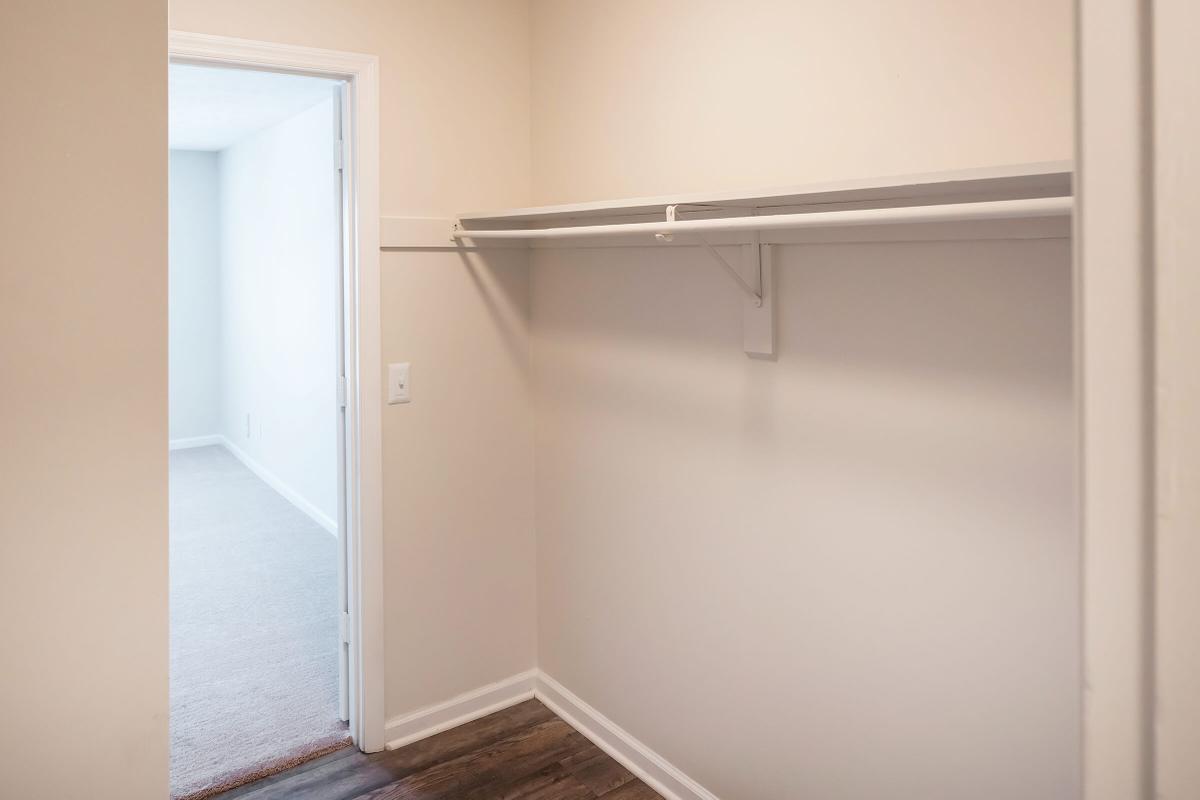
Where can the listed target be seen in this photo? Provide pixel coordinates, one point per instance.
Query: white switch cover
(398, 384)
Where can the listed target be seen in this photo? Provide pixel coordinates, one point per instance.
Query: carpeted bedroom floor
(254, 628)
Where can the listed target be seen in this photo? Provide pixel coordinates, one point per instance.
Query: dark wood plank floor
(521, 753)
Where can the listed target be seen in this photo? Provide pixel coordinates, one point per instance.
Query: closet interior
(802, 471)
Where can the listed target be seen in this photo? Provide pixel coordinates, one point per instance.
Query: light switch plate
(398, 389)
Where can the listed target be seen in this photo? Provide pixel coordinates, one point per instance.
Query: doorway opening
(259, 537)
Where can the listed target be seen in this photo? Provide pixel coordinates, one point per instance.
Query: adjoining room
(254, 289)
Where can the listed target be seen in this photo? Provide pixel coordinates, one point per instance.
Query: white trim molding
(661, 775)
(654, 770)
(204, 48)
(194, 441)
(1114, 389)
(277, 483)
(364, 440)
(460, 710)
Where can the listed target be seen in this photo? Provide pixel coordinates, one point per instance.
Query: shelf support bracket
(758, 317)
(758, 304)
(753, 294)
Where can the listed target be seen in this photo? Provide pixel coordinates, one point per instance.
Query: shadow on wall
(879, 524)
(986, 324)
(504, 289)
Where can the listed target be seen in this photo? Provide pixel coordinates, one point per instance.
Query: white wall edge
(272, 480)
(464, 708)
(194, 441)
(204, 48)
(661, 775)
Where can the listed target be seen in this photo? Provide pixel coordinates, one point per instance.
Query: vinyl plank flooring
(515, 756)
(549, 783)
(596, 770)
(348, 778)
(635, 790)
(521, 753)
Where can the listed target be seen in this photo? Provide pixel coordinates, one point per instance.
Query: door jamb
(364, 467)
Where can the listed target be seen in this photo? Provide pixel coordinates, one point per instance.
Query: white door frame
(363, 463)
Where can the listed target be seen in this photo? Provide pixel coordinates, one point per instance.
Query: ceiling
(212, 107)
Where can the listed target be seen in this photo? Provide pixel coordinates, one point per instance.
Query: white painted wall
(194, 295)
(651, 97)
(1177, 254)
(83, 408)
(458, 508)
(774, 573)
(851, 572)
(280, 257)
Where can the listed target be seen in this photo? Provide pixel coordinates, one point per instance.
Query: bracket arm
(755, 294)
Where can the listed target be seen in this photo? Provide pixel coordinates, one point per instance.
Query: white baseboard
(658, 773)
(194, 441)
(662, 776)
(272, 480)
(460, 710)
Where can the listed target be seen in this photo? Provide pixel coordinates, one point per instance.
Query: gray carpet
(254, 631)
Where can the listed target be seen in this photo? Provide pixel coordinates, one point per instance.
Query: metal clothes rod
(951, 212)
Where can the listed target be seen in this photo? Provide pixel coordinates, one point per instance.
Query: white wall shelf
(1023, 195)
(667, 228)
(909, 196)
(1013, 182)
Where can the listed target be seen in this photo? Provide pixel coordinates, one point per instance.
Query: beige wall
(458, 470)
(83, 337)
(454, 134)
(1177, 207)
(636, 97)
(454, 87)
(852, 571)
